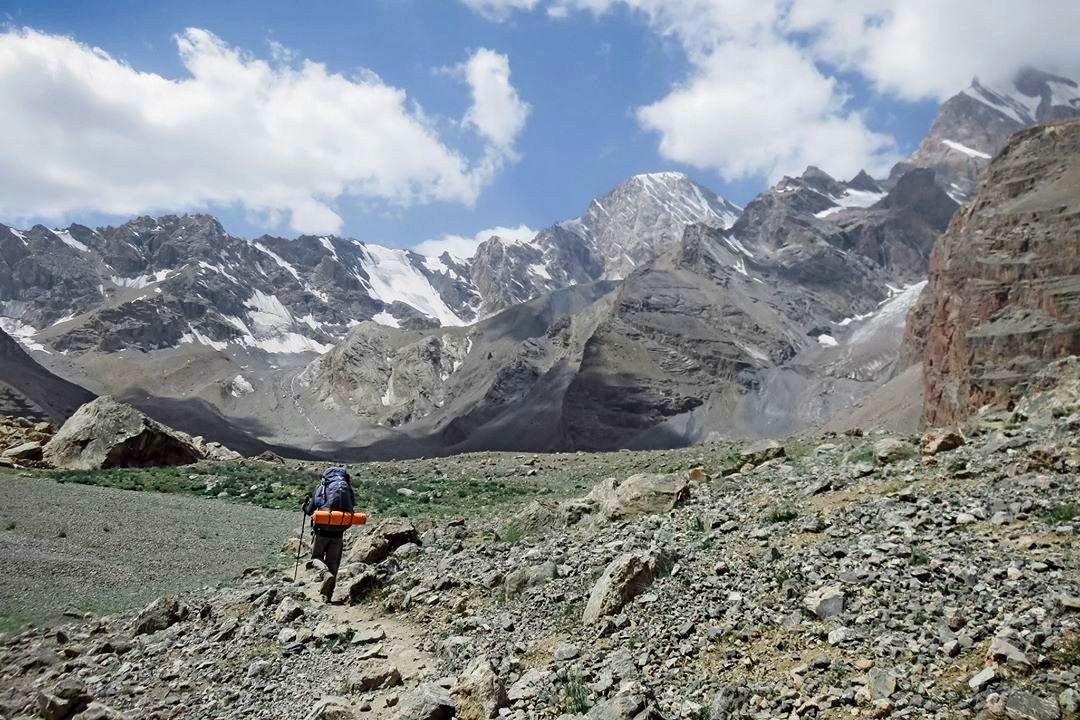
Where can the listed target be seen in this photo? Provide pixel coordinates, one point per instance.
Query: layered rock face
(1003, 299)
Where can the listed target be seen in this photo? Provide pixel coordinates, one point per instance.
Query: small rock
(826, 602)
(982, 678)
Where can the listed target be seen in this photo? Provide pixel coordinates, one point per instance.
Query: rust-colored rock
(1003, 298)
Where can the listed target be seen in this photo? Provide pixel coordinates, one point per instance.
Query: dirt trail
(400, 646)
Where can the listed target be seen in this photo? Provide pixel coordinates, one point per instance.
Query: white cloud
(496, 112)
(918, 49)
(500, 9)
(465, 247)
(284, 138)
(763, 95)
(734, 117)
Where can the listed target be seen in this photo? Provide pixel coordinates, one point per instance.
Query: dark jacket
(335, 492)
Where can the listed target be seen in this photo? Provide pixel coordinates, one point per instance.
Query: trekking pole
(299, 546)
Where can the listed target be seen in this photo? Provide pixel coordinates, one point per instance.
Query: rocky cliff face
(1003, 297)
(974, 125)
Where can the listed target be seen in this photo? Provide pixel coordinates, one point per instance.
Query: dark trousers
(328, 550)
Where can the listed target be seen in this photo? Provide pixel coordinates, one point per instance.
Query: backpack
(335, 492)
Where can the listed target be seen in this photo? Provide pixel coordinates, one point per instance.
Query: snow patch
(827, 340)
(277, 259)
(63, 320)
(541, 271)
(219, 270)
(267, 312)
(385, 318)
(329, 245)
(738, 246)
(891, 313)
(434, 265)
(194, 336)
(970, 152)
(393, 278)
(65, 237)
(19, 234)
(142, 281)
(289, 343)
(22, 332)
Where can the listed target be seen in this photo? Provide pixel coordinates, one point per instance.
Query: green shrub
(575, 695)
(782, 513)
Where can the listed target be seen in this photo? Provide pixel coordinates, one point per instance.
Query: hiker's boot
(327, 587)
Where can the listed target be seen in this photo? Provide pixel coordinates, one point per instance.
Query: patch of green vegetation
(1069, 655)
(16, 622)
(575, 695)
(281, 487)
(919, 558)
(782, 513)
(694, 523)
(1061, 514)
(864, 454)
(511, 534)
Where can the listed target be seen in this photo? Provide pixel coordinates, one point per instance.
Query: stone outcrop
(108, 434)
(1003, 299)
(641, 494)
(624, 579)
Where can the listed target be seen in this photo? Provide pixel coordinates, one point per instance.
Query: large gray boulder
(107, 434)
(638, 495)
(427, 702)
(386, 537)
(624, 579)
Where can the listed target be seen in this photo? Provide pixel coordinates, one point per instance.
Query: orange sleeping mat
(338, 518)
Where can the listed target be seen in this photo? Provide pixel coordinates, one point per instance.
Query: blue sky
(584, 76)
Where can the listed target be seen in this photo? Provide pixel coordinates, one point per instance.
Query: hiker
(335, 492)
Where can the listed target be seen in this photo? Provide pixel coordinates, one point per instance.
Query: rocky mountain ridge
(973, 126)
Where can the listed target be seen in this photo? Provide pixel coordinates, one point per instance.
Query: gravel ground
(66, 546)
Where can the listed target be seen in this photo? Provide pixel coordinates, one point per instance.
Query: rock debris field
(926, 577)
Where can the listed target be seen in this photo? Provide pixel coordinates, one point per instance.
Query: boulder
(891, 450)
(530, 685)
(332, 708)
(760, 452)
(729, 700)
(825, 602)
(1003, 651)
(24, 452)
(427, 702)
(631, 703)
(938, 441)
(1023, 705)
(65, 699)
(374, 675)
(625, 578)
(520, 579)
(107, 434)
(384, 538)
(159, 615)
(288, 611)
(479, 693)
(639, 495)
(100, 711)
